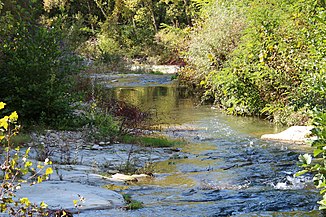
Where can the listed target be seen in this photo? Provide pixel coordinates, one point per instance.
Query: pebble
(97, 147)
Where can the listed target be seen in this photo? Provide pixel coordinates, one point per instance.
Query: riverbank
(223, 168)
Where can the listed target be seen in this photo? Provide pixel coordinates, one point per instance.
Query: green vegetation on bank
(46, 44)
(268, 59)
(34, 68)
(132, 204)
(317, 164)
(249, 57)
(264, 58)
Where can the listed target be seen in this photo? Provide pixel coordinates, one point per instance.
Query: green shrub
(317, 165)
(132, 204)
(272, 66)
(173, 43)
(34, 70)
(101, 125)
(212, 41)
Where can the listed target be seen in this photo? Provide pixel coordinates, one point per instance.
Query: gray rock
(60, 195)
(80, 141)
(54, 136)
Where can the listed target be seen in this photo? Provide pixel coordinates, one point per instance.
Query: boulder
(61, 194)
(297, 134)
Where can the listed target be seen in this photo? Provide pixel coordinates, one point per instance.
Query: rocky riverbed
(224, 170)
(86, 169)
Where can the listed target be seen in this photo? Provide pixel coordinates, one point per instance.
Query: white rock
(97, 147)
(293, 134)
(122, 177)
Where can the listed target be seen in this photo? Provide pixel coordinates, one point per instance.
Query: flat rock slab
(298, 134)
(61, 194)
(123, 178)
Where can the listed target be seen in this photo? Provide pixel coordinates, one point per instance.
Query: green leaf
(300, 173)
(323, 191)
(28, 164)
(322, 204)
(317, 152)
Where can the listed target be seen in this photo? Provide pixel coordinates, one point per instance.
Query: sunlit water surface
(230, 171)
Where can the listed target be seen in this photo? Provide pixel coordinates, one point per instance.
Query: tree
(35, 66)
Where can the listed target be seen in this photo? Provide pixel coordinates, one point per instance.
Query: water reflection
(173, 105)
(167, 104)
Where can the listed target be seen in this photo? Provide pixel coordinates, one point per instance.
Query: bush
(317, 165)
(273, 66)
(101, 125)
(34, 70)
(172, 42)
(212, 41)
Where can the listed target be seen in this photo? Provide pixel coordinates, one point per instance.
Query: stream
(230, 171)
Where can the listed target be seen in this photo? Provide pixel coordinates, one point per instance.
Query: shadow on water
(230, 171)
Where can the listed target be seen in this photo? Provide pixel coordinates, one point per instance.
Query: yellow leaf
(4, 122)
(2, 105)
(40, 166)
(43, 205)
(39, 179)
(48, 171)
(25, 201)
(13, 117)
(7, 176)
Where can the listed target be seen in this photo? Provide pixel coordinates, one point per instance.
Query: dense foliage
(251, 57)
(262, 58)
(42, 41)
(317, 165)
(110, 30)
(34, 65)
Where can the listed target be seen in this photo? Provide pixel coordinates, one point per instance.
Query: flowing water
(229, 171)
